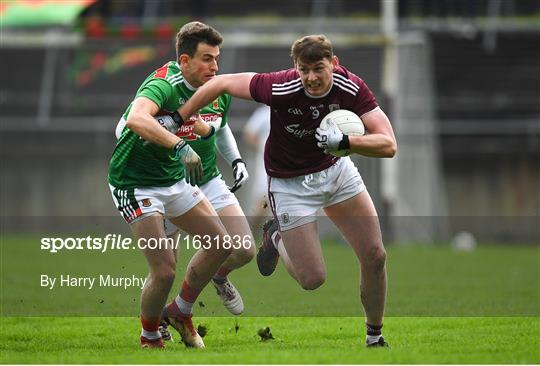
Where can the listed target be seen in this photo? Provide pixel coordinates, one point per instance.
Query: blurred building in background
(460, 80)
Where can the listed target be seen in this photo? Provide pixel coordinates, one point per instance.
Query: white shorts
(217, 193)
(295, 201)
(173, 201)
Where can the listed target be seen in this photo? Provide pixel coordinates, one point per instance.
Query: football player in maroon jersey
(303, 177)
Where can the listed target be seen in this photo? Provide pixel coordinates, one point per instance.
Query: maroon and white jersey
(291, 149)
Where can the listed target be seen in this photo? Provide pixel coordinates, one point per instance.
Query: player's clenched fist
(330, 138)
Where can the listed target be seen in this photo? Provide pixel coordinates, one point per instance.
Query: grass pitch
(443, 307)
(298, 340)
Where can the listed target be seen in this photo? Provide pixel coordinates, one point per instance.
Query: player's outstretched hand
(240, 174)
(191, 162)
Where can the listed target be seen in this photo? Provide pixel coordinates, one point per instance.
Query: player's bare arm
(379, 140)
(236, 85)
(141, 121)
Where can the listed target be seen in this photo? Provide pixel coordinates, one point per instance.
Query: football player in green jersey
(194, 67)
(149, 174)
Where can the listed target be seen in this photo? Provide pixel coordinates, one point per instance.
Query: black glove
(177, 118)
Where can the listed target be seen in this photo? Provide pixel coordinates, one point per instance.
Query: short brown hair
(193, 33)
(311, 49)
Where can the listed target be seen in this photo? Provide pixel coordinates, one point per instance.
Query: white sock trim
(151, 335)
(370, 339)
(184, 306)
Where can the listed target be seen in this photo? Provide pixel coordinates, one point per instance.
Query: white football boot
(229, 296)
(184, 326)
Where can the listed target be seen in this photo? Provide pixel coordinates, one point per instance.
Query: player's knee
(312, 283)
(245, 254)
(221, 250)
(164, 276)
(313, 280)
(376, 258)
(243, 257)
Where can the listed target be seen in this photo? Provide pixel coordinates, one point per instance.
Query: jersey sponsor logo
(186, 130)
(297, 132)
(210, 117)
(295, 111)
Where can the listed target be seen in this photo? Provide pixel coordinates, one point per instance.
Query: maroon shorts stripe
(272, 201)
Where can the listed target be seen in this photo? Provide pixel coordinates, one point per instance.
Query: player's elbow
(391, 150)
(134, 121)
(388, 148)
(130, 125)
(131, 122)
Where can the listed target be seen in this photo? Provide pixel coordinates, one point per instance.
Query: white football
(348, 122)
